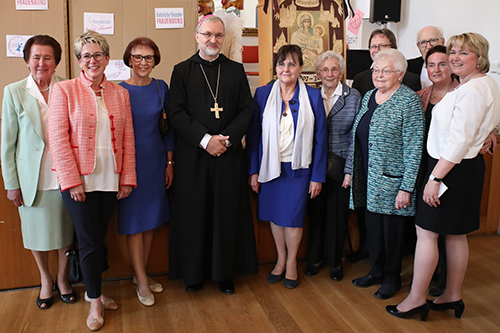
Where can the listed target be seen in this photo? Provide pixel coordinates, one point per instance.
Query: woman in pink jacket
(92, 140)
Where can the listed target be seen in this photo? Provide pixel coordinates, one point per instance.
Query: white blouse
(463, 119)
(104, 177)
(48, 178)
(286, 135)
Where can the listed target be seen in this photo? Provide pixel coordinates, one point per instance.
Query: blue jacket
(339, 122)
(317, 171)
(395, 149)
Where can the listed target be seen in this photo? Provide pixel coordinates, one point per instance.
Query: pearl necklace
(44, 90)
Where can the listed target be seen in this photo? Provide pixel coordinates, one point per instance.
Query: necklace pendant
(216, 109)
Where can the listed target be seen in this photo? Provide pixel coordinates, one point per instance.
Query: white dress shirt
(329, 102)
(463, 119)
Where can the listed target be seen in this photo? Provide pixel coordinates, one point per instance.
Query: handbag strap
(164, 114)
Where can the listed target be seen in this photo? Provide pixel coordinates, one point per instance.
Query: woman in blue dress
(287, 157)
(147, 206)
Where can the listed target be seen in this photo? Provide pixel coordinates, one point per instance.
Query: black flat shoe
(312, 269)
(271, 278)
(194, 287)
(366, 281)
(45, 301)
(336, 274)
(227, 287)
(458, 306)
(291, 284)
(386, 291)
(423, 310)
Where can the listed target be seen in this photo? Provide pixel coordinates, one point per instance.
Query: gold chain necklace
(216, 107)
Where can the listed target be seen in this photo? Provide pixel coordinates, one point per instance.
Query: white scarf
(270, 167)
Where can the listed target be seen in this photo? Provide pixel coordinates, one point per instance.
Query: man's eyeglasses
(432, 42)
(138, 58)
(379, 46)
(98, 56)
(209, 35)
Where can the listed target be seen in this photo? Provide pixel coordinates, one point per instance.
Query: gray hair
(320, 60)
(89, 37)
(210, 18)
(396, 57)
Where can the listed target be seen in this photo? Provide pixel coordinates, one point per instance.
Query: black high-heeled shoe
(66, 298)
(423, 310)
(458, 306)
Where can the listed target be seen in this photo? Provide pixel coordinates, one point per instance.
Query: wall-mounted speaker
(385, 10)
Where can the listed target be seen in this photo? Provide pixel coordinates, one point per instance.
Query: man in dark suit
(427, 38)
(379, 40)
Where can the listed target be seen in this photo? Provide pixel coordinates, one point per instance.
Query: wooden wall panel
(133, 19)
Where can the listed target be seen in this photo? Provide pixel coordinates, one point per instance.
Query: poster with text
(32, 4)
(169, 18)
(102, 23)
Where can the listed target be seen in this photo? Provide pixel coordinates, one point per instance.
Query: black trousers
(91, 220)
(329, 209)
(385, 239)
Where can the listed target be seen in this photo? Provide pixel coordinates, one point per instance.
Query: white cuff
(205, 140)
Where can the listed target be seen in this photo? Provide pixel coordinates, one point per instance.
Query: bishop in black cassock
(211, 230)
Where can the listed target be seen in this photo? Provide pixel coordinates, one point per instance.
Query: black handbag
(75, 273)
(335, 167)
(163, 124)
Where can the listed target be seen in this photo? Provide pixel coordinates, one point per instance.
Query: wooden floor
(317, 305)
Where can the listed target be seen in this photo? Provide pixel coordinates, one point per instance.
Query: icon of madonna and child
(310, 38)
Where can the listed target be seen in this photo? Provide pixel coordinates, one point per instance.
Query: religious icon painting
(314, 25)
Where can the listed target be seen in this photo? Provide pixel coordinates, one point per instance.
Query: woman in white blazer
(27, 167)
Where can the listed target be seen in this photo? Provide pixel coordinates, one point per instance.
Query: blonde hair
(476, 44)
(88, 37)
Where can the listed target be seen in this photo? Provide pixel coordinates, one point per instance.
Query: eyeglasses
(209, 35)
(98, 56)
(138, 58)
(290, 65)
(432, 42)
(327, 70)
(385, 71)
(379, 46)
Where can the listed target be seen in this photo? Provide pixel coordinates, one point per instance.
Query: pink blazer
(73, 125)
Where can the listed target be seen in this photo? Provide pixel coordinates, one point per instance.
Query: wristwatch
(434, 178)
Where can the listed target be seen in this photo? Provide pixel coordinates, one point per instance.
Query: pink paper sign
(355, 22)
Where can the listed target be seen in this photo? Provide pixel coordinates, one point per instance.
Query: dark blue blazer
(317, 169)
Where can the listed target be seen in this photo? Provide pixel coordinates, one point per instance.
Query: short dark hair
(384, 32)
(42, 40)
(294, 50)
(435, 49)
(141, 41)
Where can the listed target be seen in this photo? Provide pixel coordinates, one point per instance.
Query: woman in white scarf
(287, 157)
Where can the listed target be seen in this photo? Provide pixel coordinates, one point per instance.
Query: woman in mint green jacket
(27, 166)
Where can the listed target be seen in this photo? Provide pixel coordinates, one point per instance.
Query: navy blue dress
(147, 207)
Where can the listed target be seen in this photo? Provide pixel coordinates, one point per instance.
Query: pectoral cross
(216, 109)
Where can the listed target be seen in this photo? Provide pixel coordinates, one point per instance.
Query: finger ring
(218, 155)
(405, 206)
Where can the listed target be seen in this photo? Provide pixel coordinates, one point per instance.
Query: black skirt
(460, 207)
